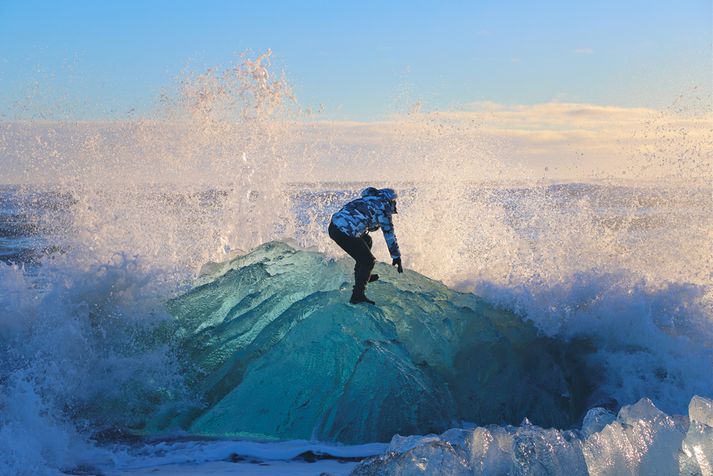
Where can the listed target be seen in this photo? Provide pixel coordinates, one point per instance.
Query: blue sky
(361, 60)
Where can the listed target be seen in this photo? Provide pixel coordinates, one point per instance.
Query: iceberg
(274, 351)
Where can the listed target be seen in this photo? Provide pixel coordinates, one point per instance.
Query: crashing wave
(275, 352)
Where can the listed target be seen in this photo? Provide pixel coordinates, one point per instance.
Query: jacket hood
(369, 192)
(388, 193)
(385, 193)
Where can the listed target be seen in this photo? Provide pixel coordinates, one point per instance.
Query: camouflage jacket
(369, 213)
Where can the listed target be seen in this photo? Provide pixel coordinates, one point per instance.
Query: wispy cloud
(583, 51)
(575, 139)
(484, 140)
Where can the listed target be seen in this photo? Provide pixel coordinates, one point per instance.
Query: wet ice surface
(278, 353)
(639, 440)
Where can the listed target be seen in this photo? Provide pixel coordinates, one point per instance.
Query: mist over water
(110, 220)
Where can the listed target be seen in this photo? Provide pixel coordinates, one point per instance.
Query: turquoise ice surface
(273, 350)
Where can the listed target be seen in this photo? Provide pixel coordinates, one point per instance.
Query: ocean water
(81, 361)
(110, 222)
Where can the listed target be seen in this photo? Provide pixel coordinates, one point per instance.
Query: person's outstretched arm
(387, 226)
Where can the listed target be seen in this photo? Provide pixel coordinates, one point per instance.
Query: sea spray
(80, 355)
(128, 211)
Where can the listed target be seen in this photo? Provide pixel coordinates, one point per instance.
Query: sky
(358, 60)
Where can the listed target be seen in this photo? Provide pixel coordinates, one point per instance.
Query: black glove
(397, 263)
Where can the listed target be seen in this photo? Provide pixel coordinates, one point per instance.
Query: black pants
(359, 249)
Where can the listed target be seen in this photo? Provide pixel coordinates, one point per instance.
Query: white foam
(202, 451)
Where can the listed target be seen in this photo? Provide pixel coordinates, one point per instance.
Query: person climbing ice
(350, 228)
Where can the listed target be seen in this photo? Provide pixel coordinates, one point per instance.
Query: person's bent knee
(366, 262)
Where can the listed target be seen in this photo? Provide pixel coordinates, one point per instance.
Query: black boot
(373, 277)
(359, 297)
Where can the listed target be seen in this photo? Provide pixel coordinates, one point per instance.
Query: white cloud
(575, 139)
(484, 140)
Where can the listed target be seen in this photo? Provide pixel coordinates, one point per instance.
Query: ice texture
(640, 440)
(700, 411)
(523, 450)
(276, 352)
(596, 419)
(696, 455)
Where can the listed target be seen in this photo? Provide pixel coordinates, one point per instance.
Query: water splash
(230, 160)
